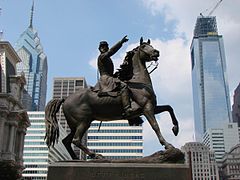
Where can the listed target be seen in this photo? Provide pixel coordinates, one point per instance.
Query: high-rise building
(221, 140)
(236, 106)
(36, 155)
(201, 161)
(62, 88)
(209, 80)
(116, 139)
(34, 65)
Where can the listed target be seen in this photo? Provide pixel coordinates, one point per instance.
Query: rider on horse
(84, 106)
(109, 85)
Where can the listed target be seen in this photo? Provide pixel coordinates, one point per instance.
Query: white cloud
(93, 62)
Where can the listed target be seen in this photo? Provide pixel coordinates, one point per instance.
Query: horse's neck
(140, 73)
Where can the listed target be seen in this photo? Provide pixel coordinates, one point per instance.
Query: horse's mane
(125, 72)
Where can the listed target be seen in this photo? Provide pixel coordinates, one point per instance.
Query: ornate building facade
(13, 117)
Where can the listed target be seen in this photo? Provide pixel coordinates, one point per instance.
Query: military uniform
(108, 85)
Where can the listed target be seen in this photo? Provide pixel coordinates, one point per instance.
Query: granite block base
(81, 170)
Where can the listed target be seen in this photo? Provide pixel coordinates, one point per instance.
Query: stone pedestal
(79, 170)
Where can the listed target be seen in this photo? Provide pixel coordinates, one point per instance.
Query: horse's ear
(148, 41)
(141, 40)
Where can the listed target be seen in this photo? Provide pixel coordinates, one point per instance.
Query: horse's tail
(51, 122)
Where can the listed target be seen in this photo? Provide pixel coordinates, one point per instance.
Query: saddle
(136, 121)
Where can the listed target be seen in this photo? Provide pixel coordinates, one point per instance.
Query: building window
(10, 71)
(192, 58)
(79, 82)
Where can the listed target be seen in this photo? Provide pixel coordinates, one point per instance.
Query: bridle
(155, 64)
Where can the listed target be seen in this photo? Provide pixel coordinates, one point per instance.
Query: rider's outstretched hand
(124, 39)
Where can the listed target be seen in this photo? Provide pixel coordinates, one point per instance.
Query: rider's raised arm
(116, 47)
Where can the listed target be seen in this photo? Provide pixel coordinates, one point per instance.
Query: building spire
(31, 17)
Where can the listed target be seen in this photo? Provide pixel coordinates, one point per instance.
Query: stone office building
(236, 106)
(201, 161)
(13, 118)
(231, 164)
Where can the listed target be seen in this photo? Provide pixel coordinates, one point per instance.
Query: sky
(70, 32)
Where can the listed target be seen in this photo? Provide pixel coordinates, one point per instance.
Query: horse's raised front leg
(159, 109)
(149, 114)
(81, 129)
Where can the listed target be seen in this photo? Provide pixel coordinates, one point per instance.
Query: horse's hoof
(98, 156)
(175, 130)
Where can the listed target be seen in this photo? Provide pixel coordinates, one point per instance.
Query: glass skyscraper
(34, 65)
(209, 79)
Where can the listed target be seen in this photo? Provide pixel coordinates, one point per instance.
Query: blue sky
(71, 30)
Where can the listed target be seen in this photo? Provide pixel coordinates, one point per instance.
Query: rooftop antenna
(31, 17)
(1, 32)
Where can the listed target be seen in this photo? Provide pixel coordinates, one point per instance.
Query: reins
(151, 64)
(155, 67)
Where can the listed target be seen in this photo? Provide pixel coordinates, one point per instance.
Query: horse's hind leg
(149, 113)
(159, 109)
(67, 143)
(81, 129)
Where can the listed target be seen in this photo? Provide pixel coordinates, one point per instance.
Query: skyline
(71, 32)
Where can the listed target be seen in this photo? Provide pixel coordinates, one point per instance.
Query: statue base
(118, 171)
(163, 165)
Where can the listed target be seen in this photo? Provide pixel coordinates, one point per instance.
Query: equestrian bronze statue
(86, 105)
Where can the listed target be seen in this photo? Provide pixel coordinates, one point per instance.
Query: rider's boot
(128, 110)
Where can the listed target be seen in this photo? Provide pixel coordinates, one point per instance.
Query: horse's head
(147, 52)
(136, 58)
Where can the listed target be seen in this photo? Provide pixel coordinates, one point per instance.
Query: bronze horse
(85, 106)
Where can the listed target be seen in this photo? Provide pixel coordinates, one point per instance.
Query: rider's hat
(103, 43)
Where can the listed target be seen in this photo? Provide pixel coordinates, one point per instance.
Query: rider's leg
(126, 102)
